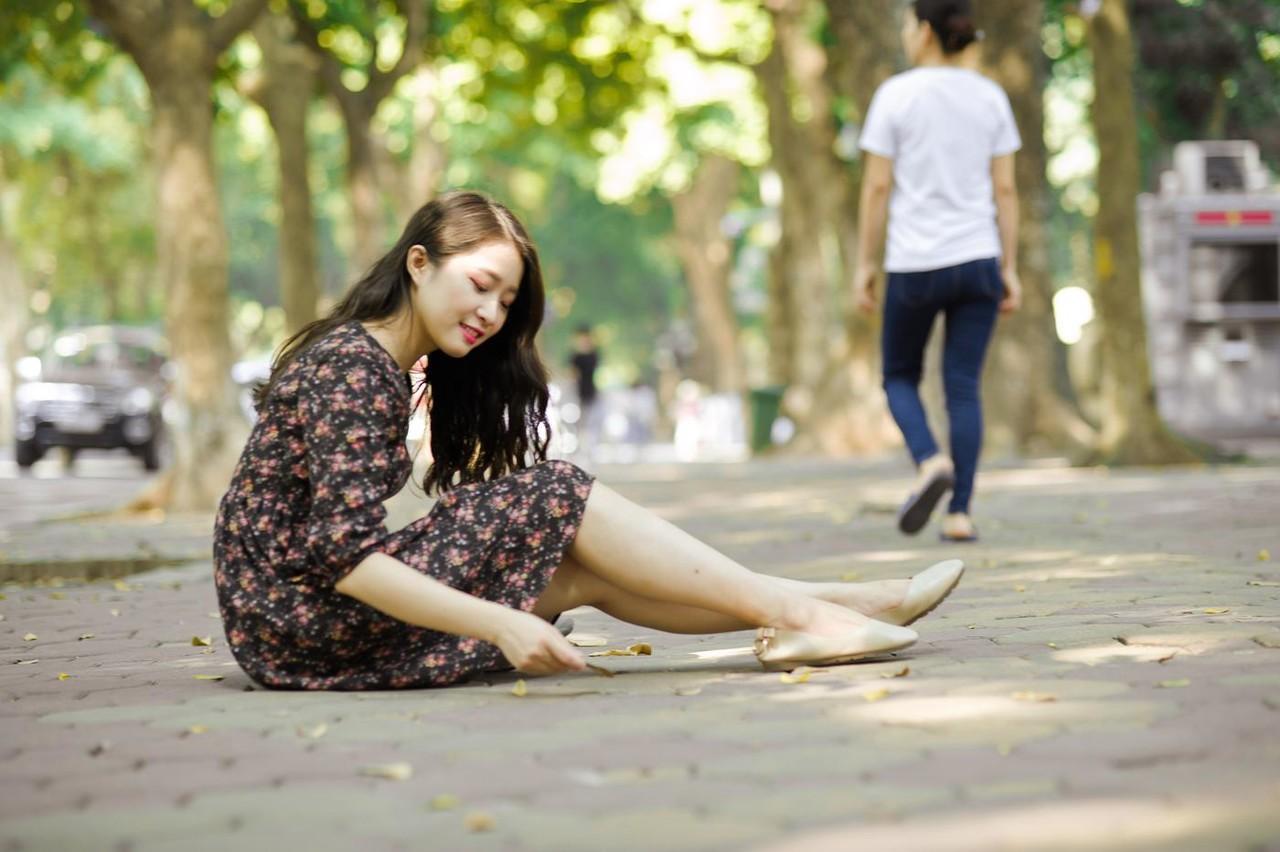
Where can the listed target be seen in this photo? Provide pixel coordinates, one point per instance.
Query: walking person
(939, 141)
(315, 593)
(583, 363)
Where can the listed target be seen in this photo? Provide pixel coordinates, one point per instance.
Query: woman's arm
(873, 214)
(1006, 195)
(529, 643)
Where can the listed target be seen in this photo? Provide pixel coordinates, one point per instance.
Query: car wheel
(26, 453)
(150, 455)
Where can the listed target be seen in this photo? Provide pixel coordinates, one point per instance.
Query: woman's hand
(535, 647)
(1012, 291)
(864, 288)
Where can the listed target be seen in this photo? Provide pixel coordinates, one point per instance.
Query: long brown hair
(487, 409)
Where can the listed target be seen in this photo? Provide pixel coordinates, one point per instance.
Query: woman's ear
(417, 262)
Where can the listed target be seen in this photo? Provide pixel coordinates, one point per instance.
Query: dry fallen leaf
(1167, 657)
(314, 732)
(444, 802)
(520, 690)
(1264, 555)
(601, 670)
(1216, 610)
(640, 649)
(1265, 640)
(26, 662)
(30, 637)
(877, 694)
(587, 640)
(800, 675)
(115, 612)
(198, 729)
(1270, 583)
(63, 676)
(687, 690)
(207, 677)
(57, 596)
(390, 771)
(1041, 697)
(1052, 644)
(1174, 684)
(84, 636)
(1019, 588)
(121, 586)
(478, 821)
(201, 641)
(902, 672)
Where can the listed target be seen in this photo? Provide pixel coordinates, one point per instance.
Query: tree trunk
(285, 94)
(369, 238)
(706, 254)
(418, 181)
(368, 177)
(850, 414)
(176, 46)
(806, 259)
(192, 258)
(1132, 432)
(1026, 409)
(13, 326)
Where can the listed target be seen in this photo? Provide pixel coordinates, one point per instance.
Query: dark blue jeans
(968, 295)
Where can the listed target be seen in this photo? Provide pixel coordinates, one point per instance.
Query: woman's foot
(957, 526)
(936, 477)
(870, 599)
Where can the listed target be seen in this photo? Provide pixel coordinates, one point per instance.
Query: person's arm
(529, 643)
(873, 215)
(1006, 196)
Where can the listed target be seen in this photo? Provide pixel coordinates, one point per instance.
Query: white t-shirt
(941, 127)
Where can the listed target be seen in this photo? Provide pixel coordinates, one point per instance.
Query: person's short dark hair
(950, 20)
(582, 329)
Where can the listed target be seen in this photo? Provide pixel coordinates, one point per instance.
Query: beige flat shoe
(788, 648)
(927, 589)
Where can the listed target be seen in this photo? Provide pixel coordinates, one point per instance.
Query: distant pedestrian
(583, 362)
(939, 142)
(316, 593)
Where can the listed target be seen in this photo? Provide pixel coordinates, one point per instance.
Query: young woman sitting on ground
(315, 592)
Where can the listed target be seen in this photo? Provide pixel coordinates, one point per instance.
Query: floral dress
(305, 507)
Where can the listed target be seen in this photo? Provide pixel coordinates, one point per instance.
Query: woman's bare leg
(573, 586)
(647, 557)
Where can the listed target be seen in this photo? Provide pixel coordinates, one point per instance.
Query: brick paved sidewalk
(1107, 676)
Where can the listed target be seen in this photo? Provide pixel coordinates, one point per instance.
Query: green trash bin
(766, 403)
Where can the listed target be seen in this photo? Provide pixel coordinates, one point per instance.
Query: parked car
(100, 387)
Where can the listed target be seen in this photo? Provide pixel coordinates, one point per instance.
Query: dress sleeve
(877, 131)
(350, 411)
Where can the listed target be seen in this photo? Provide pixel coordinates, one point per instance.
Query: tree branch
(132, 25)
(330, 67)
(382, 82)
(223, 30)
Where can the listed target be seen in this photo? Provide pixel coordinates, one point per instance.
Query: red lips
(470, 334)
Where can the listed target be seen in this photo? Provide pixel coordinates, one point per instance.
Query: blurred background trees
(689, 168)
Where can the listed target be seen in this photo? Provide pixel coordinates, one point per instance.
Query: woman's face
(463, 301)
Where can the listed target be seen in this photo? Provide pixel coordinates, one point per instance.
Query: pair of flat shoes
(777, 648)
(918, 508)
